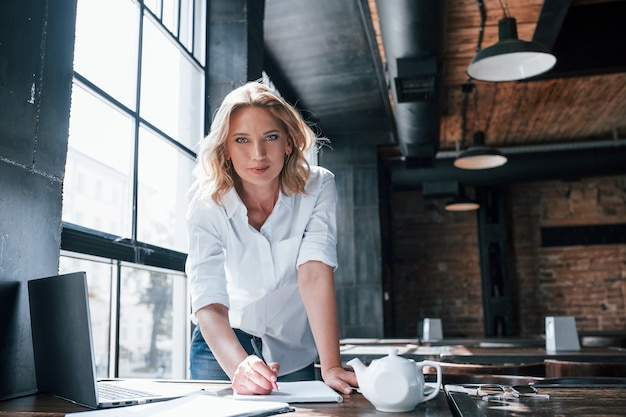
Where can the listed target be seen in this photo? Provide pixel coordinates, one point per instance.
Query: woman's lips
(259, 170)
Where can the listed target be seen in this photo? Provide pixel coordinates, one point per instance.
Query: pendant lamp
(510, 59)
(480, 156)
(461, 203)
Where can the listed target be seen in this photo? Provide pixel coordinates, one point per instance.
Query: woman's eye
(241, 140)
(272, 137)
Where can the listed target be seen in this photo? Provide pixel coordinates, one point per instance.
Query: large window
(137, 114)
(138, 317)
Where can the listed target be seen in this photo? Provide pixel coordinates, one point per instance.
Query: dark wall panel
(36, 50)
(56, 84)
(30, 228)
(21, 33)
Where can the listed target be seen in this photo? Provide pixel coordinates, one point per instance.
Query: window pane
(165, 175)
(96, 188)
(172, 89)
(99, 276)
(170, 15)
(154, 6)
(106, 46)
(186, 24)
(200, 30)
(148, 304)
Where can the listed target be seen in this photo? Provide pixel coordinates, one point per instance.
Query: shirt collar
(286, 200)
(232, 202)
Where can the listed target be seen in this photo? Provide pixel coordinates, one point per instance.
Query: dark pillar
(36, 54)
(494, 266)
(235, 47)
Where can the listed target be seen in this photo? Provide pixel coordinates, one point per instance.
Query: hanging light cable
(478, 155)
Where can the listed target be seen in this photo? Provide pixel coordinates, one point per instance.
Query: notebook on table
(298, 392)
(63, 348)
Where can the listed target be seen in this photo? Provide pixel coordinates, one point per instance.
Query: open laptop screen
(62, 340)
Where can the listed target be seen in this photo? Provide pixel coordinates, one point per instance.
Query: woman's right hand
(252, 376)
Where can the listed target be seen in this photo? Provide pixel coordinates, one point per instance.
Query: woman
(262, 250)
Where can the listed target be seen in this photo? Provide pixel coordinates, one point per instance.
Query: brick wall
(435, 270)
(588, 282)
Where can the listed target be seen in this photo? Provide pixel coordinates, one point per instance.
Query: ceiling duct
(416, 80)
(412, 33)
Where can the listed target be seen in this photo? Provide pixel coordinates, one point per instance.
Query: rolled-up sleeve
(319, 242)
(205, 261)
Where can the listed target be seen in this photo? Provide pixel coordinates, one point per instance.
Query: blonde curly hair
(215, 174)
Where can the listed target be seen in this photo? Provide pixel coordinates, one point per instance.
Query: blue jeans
(203, 364)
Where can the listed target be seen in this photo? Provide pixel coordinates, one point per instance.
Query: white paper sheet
(199, 404)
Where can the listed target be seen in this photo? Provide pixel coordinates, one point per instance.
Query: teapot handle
(437, 366)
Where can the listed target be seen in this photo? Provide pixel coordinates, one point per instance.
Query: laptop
(63, 348)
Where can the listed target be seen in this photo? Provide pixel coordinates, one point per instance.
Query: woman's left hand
(340, 379)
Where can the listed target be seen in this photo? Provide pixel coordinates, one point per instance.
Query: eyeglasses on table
(489, 392)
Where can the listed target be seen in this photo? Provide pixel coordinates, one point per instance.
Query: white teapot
(393, 383)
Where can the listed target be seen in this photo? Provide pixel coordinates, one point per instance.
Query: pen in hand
(257, 352)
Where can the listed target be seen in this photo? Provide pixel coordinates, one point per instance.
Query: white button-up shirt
(254, 273)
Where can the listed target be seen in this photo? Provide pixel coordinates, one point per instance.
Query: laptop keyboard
(114, 392)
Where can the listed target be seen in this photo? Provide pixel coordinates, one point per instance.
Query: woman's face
(256, 145)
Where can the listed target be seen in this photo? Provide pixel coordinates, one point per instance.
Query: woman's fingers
(254, 377)
(265, 375)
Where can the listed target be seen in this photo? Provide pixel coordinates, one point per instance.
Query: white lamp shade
(510, 59)
(480, 157)
(462, 204)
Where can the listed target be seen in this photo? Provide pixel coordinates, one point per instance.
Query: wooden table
(446, 349)
(40, 405)
(475, 351)
(563, 401)
(367, 353)
(354, 405)
(482, 355)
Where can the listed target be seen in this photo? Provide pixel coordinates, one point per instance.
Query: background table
(474, 351)
(494, 355)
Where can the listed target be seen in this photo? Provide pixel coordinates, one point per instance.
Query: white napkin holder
(430, 330)
(561, 334)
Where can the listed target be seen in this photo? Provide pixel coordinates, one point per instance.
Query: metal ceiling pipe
(522, 166)
(412, 33)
